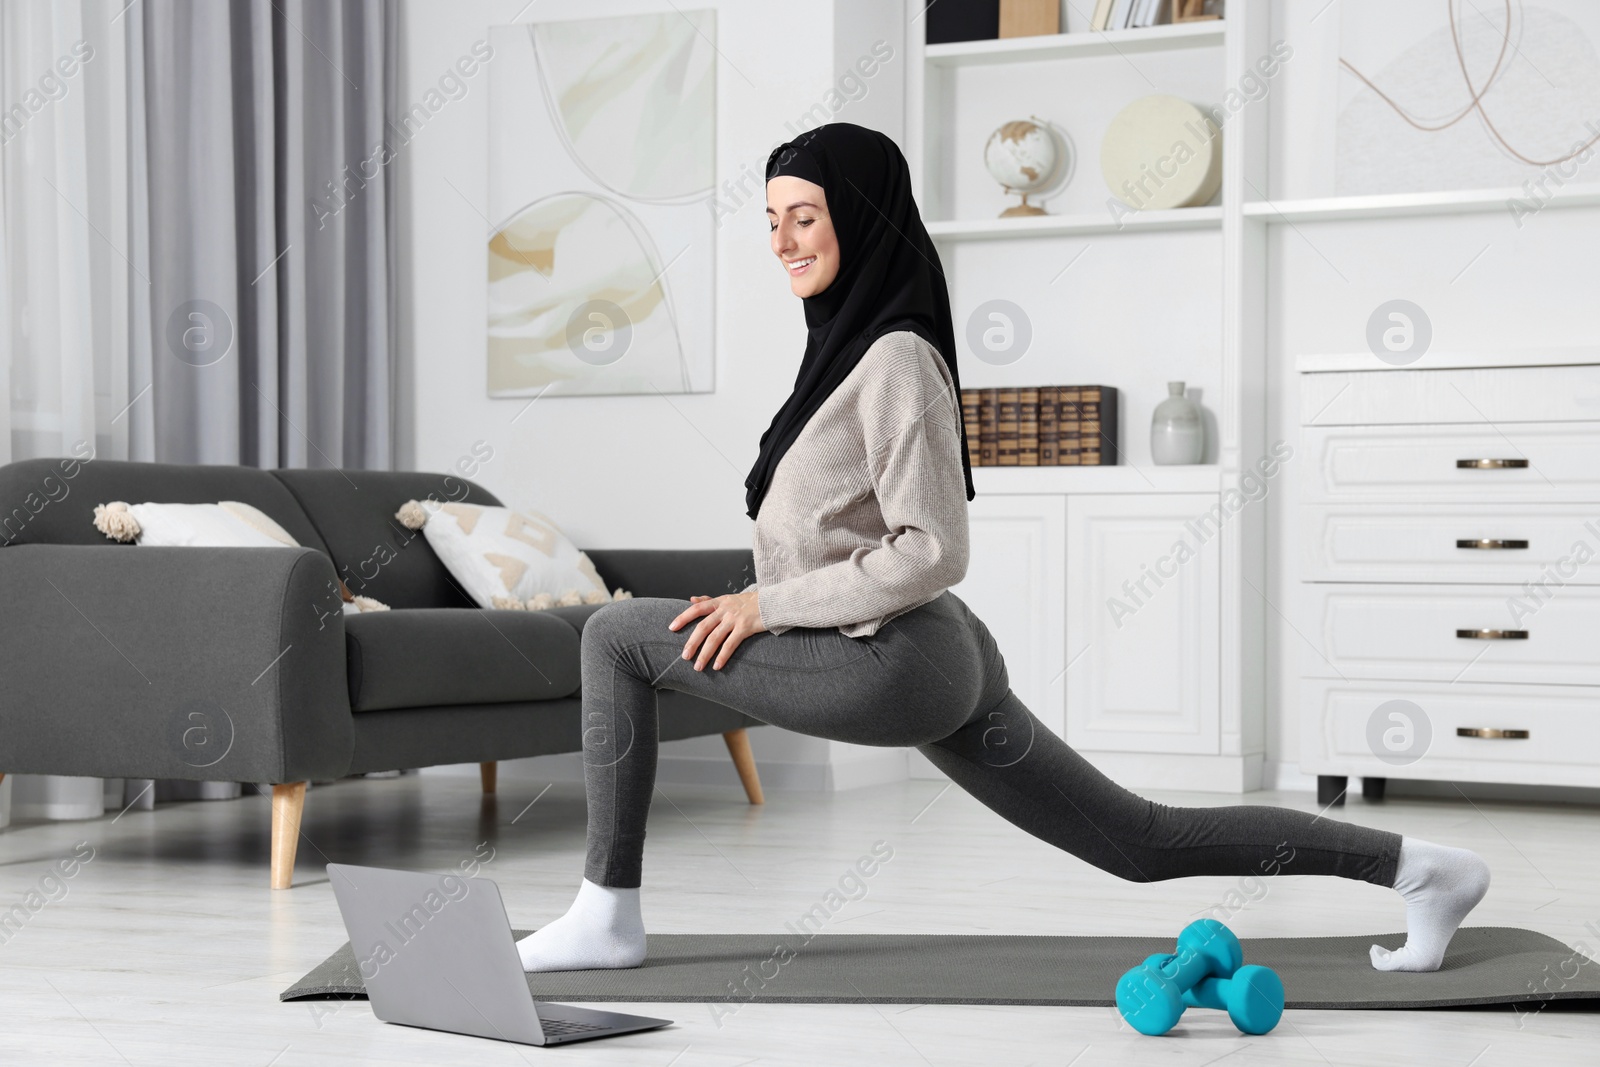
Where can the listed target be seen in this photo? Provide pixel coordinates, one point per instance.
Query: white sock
(1440, 885)
(603, 928)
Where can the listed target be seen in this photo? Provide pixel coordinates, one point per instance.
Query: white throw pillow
(229, 524)
(503, 558)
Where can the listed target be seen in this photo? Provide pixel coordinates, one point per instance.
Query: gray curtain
(260, 233)
(261, 223)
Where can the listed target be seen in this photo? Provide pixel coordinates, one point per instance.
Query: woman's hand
(725, 621)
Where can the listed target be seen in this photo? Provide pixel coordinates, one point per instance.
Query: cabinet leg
(1372, 788)
(1330, 789)
(488, 774)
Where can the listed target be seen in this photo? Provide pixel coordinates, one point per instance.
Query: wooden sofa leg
(744, 761)
(288, 801)
(488, 772)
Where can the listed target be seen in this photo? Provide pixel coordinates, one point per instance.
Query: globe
(1025, 157)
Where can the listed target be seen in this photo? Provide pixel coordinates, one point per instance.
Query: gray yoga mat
(1485, 965)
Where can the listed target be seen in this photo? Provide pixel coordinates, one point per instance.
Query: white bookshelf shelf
(1200, 478)
(1399, 205)
(1094, 222)
(1574, 355)
(1076, 45)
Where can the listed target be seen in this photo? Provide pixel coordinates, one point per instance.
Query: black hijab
(889, 279)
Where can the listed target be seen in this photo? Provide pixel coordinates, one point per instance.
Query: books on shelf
(972, 20)
(1118, 17)
(1138, 14)
(1041, 425)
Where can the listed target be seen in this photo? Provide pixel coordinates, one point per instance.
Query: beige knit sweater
(866, 514)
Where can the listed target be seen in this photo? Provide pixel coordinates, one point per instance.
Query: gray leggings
(932, 678)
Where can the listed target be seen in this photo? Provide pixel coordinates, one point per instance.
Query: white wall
(631, 471)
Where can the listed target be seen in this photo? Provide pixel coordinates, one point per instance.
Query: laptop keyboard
(565, 1027)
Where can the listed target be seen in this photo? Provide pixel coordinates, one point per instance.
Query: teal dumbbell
(1252, 997)
(1207, 971)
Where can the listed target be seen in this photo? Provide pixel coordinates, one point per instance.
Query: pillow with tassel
(507, 559)
(229, 524)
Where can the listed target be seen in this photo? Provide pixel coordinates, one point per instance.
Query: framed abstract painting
(602, 163)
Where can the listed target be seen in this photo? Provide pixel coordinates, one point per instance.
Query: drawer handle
(1489, 542)
(1493, 635)
(1491, 464)
(1490, 732)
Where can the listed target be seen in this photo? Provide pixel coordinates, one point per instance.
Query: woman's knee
(619, 622)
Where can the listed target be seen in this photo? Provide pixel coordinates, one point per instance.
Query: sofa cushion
(454, 656)
(51, 501)
(575, 615)
(427, 737)
(353, 511)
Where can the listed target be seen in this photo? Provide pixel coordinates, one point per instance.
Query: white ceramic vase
(1177, 435)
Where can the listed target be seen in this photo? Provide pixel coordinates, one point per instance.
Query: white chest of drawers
(1448, 546)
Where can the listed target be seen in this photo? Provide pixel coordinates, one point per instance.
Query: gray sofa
(237, 664)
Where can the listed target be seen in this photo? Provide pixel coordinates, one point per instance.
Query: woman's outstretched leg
(1009, 760)
(1012, 763)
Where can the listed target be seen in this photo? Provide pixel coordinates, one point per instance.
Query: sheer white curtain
(65, 293)
(63, 320)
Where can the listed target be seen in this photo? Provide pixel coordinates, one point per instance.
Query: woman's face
(802, 233)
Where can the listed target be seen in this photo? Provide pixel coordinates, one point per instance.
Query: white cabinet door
(1015, 583)
(1142, 620)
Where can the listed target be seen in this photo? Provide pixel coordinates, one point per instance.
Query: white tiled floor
(167, 947)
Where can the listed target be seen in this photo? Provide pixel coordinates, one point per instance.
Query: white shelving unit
(1160, 677)
(1170, 693)
(1165, 683)
(1500, 273)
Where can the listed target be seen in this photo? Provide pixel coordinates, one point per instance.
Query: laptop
(436, 951)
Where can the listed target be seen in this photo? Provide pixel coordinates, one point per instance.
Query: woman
(850, 631)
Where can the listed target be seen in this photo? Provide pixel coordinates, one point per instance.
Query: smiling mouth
(799, 266)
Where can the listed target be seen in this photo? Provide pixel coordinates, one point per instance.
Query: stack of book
(1041, 425)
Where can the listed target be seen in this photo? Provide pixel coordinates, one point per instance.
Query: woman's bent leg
(903, 686)
(878, 690)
